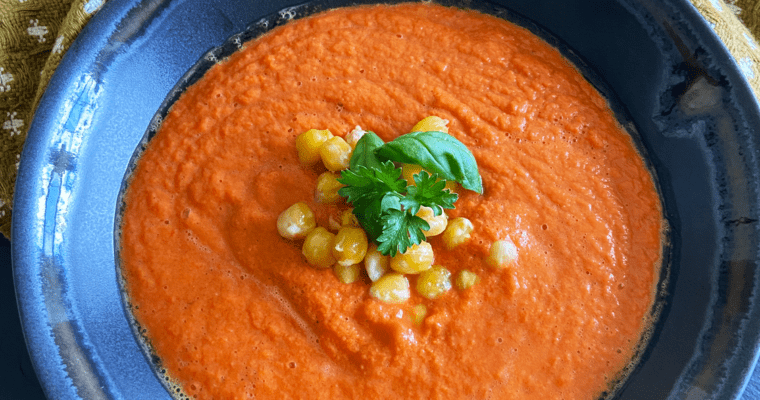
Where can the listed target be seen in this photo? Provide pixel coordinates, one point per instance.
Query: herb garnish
(364, 153)
(385, 204)
(436, 152)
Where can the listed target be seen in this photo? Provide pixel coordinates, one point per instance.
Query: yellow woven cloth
(34, 35)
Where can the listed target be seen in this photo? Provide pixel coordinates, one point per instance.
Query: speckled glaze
(673, 81)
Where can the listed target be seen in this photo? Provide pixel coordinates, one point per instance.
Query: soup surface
(234, 311)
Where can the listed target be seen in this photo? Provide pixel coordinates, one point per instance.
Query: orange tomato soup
(234, 311)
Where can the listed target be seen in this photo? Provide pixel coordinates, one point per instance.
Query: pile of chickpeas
(348, 248)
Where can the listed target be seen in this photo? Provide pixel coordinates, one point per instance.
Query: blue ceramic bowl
(670, 79)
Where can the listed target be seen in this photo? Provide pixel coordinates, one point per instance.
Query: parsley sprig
(366, 190)
(385, 204)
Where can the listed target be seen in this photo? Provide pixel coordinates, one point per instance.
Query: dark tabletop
(18, 382)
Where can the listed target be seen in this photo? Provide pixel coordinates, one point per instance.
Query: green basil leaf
(364, 152)
(436, 152)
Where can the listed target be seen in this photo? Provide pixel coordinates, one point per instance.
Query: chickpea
(350, 245)
(434, 282)
(353, 137)
(501, 254)
(327, 188)
(432, 123)
(416, 259)
(309, 143)
(408, 171)
(465, 279)
(391, 288)
(347, 273)
(437, 223)
(296, 221)
(457, 232)
(375, 263)
(335, 153)
(333, 222)
(345, 218)
(316, 248)
(452, 186)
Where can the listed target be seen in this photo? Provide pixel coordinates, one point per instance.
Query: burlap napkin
(34, 35)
